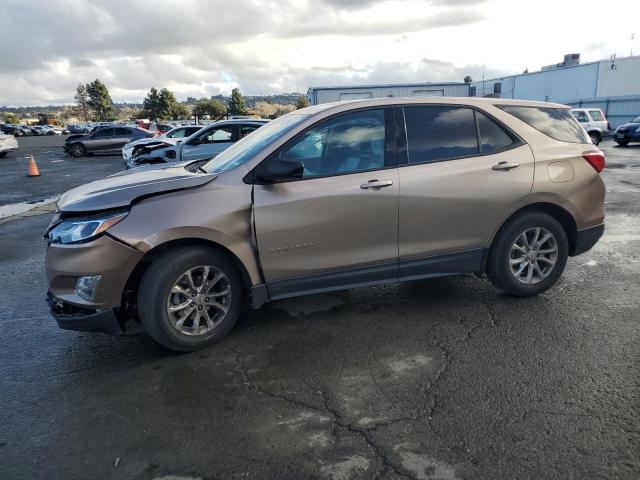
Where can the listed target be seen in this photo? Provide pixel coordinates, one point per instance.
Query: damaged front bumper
(72, 317)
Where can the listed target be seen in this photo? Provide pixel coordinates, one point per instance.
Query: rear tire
(3, 154)
(516, 252)
(186, 315)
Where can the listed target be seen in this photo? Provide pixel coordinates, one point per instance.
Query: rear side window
(557, 123)
(493, 138)
(436, 133)
(596, 115)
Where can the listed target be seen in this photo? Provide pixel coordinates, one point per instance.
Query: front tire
(622, 143)
(77, 150)
(190, 298)
(596, 138)
(529, 255)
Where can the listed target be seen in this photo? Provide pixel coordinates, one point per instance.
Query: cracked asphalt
(437, 379)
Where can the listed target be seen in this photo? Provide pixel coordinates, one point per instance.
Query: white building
(612, 85)
(318, 95)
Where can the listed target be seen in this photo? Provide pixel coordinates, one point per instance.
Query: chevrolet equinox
(326, 198)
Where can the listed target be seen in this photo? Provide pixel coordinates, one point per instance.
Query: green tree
(151, 104)
(100, 101)
(236, 103)
(180, 111)
(468, 79)
(82, 101)
(302, 102)
(214, 108)
(166, 104)
(10, 117)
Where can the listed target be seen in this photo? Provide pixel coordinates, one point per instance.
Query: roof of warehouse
(391, 85)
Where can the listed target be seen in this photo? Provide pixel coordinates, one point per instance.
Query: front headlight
(82, 229)
(638, 130)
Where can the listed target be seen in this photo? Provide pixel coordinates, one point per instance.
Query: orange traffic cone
(33, 168)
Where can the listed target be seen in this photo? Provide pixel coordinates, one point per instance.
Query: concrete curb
(38, 208)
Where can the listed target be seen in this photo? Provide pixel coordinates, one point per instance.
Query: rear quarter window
(557, 123)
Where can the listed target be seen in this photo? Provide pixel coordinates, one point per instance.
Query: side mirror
(196, 141)
(178, 142)
(280, 170)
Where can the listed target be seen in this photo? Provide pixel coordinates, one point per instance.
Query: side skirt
(468, 261)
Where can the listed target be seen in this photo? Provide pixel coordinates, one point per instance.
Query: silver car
(206, 143)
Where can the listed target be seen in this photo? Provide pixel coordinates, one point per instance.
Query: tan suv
(326, 198)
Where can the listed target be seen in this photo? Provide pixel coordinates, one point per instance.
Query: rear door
(100, 140)
(121, 137)
(462, 173)
(337, 224)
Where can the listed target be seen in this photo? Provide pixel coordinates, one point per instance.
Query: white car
(8, 143)
(593, 121)
(172, 137)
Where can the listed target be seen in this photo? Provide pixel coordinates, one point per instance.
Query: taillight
(595, 159)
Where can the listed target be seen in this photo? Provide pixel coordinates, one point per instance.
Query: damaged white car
(204, 144)
(171, 138)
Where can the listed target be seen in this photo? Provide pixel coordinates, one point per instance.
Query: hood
(159, 140)
(629, 125)
(122, 189)
(76, 136)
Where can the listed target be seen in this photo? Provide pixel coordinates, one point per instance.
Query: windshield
(242, 151)
(636, 120)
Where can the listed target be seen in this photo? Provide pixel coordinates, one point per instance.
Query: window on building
(436, 133)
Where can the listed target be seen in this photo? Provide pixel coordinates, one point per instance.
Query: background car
(629, 132)
(103, 139)
(78, 128)
(8, 143)
(172, 137)
(594, 123)
(202, 145)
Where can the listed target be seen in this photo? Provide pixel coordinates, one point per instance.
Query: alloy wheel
(199, 300)
(533, 255)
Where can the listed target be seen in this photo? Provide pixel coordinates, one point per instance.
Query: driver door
(335, 223)
(208, 144)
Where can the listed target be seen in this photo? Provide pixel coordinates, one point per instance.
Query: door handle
(376, 184)
(505, 166)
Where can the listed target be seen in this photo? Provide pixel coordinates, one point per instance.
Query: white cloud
(203, 47)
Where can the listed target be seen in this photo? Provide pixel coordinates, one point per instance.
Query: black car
(103, 139)
(629, 132)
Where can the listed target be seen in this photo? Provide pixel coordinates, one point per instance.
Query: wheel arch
(562, 215)
(133, 282)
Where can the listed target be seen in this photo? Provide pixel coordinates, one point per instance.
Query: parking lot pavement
(437, 379)
(58, 172)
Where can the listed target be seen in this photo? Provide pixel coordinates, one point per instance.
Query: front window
(348, 143)
(581, 116)
(242, 152)
(177, 133)
(217, 135)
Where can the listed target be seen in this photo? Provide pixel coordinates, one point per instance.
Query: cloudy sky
(204, 47)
